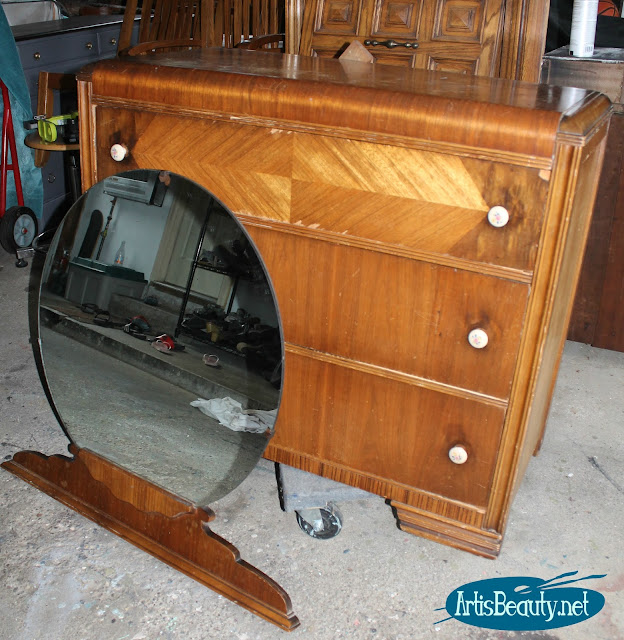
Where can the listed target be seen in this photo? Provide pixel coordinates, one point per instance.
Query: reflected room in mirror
(153, 294)
(161, 350)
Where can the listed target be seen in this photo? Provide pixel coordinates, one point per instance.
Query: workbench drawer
(43, 54)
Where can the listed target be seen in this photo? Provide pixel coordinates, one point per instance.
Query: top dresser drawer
(420, 200)
(408, 198)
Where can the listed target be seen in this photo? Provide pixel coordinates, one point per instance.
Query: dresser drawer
(53, 177)
(108, 39)
(397, 432)
(394, 312)
(419, 200)
(411, 199)
(42, 53)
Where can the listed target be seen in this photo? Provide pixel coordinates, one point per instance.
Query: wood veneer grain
(366, 189)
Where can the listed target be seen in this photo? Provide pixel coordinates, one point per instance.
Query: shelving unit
(62, 46)
(198, 263)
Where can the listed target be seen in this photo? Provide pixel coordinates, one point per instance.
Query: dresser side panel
(573, 191)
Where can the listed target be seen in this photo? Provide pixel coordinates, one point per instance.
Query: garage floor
(64, 577)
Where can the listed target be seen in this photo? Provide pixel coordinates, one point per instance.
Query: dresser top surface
(382, 99)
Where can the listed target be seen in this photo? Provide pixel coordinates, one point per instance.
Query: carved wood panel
(458, 20)
(339, 16)
(452, 35)
(397, 19)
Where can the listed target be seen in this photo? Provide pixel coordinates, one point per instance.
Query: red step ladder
(8, 144)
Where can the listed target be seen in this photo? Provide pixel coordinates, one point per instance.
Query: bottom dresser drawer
(397, 434)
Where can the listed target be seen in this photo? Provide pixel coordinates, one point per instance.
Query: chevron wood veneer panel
(252, 165)
(394, 171)
(407, 197)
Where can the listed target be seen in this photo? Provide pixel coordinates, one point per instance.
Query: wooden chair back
(176, 24)
(166, 25)
(246, 21)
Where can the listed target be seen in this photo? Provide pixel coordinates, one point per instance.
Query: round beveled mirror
(160, 335)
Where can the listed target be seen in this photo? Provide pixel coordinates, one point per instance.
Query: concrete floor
(64, 577)
(145, 424)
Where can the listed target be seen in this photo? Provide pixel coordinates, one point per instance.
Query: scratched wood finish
(312, 181)
(366, 190)
(420, 328)
(417, 424)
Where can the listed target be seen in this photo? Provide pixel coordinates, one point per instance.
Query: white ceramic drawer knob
(118, 152)
(478, 338)
(498, 216)
(457, 454)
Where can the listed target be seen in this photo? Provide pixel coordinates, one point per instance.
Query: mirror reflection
(160, 335)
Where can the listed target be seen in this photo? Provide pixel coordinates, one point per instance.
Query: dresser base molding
(456, 514)
(156, 521)
(453, 534)
(429, 516)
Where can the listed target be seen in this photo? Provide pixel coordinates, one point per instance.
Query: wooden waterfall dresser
(423, 232)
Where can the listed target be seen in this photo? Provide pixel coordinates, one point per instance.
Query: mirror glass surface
(160, 335)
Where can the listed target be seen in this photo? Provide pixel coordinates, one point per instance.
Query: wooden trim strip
(398, 376)
(455, 533)
(483, 268)
(497, 155)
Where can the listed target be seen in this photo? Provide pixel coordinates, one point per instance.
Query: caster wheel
(322, 524)
(18, 228)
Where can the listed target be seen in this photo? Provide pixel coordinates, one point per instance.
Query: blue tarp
(12, 75)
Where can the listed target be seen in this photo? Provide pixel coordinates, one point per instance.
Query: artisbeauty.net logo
(524, 603)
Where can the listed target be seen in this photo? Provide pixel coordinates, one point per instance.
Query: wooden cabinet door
(451, 35)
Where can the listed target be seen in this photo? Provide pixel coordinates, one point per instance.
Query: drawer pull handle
(89, 45)
(113, 41)
(37, 55)
(458, 454)
(498, 216)
(478, 338)
(51, 178)
(118, 152)
(390, 44)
